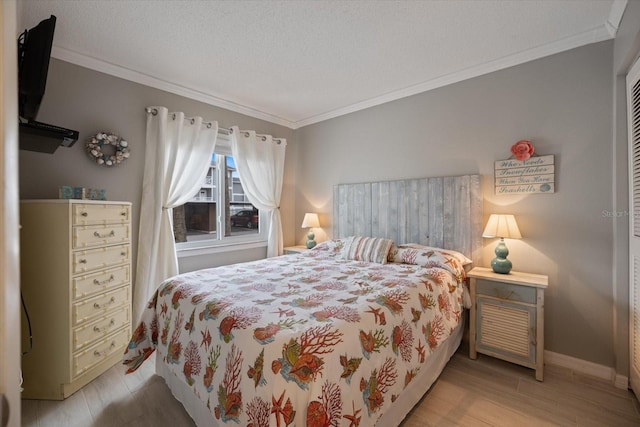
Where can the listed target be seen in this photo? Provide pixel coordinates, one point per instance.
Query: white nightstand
(507, 317)
(295, 249)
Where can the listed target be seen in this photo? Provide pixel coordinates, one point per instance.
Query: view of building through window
(198, 218)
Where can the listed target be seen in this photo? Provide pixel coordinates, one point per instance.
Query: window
(219, 212)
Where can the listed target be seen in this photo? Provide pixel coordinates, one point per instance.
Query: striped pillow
(370, 249)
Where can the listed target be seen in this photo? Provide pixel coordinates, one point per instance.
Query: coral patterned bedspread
(308, 339)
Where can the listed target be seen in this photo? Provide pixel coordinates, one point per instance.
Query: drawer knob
(98, 306)
(123, 253)
(123, 213)
(104, 328)
(82, 261)
(97, 234)
(103, 282)
(105, 351)
(84, 214)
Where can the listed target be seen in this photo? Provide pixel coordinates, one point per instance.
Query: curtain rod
(154, 112)
(224, 131)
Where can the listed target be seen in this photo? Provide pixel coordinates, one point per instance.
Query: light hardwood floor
(483, 392)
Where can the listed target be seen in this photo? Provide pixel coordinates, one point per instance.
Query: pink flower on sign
(522, 150)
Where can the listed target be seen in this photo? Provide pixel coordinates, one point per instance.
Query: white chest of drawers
(76, 284)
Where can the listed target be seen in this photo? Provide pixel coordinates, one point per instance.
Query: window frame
(224, 243)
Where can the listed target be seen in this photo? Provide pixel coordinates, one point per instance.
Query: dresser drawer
(87, 214)
(506, 291)
(93, 307)
(100, 235)
(104, 326)
(93, 259)
(102, 281)
(95, 354)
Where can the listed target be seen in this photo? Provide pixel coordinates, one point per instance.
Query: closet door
(633, 124)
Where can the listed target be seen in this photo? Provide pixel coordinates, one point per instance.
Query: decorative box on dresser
(76, 284)
(507, 317)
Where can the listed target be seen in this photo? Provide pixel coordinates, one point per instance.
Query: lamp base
(311, 243)
(500, 264)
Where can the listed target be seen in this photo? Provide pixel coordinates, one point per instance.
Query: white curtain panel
(177, 155)
(260, 163)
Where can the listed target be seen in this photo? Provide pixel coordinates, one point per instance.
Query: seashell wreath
(101, 139)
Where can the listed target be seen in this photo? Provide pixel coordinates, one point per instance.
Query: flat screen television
(34, 52)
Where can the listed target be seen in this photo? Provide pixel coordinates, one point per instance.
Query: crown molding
(604, 32)
(145, 79)
(615, 16)
(588, 37)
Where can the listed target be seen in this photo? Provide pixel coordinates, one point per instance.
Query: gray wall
(626, 51)
(88, 101)
(563, 103)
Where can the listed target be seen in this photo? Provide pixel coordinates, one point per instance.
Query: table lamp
(310, 220)
(504, 227)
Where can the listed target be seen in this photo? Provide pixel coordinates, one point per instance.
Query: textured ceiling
(300, 62)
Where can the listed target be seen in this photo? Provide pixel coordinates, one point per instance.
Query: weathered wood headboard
(445, 212)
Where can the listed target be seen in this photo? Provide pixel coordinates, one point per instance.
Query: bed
(351, 333)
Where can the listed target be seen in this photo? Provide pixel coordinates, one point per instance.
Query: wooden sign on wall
(534, 175)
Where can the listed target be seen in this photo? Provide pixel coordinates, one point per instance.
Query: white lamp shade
(503, 226)
(310, 220)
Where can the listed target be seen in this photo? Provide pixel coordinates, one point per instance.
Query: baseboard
(588, 368)
(621, 382)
